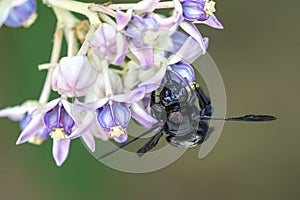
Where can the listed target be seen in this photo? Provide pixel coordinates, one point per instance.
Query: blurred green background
(258, 56)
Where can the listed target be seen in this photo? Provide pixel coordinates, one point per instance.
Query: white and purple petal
(185, 70)
(18, 15)
(123, 19)
(130, 97)
(212, 21)
(154, 82)
(122, 138)
(145, 6)
(58, 117)
(193, 31)
(74, 76)
(194, 10)
(140, 115)
(113, 114)
(34, 126)
(60, 150)
(145, 56)
(172, 21)
(89, 140)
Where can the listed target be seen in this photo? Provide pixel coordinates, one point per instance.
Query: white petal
(174, 20)
(212, 21)
(145, 5)
(188, 52)
(154, 82)
(139, 114)
(35, 125)
(92, 105)
(193, 31)
(15, 113)
(130, 97)
(60, 150)
(89, 140)
(123, 19)
(51, 104)
(84, 125)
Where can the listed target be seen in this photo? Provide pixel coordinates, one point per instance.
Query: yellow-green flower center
(209, 7)
(58, 133)
(116, 131)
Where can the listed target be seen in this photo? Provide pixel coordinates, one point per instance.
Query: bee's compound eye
(166, 96)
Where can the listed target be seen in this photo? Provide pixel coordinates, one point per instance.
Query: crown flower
(200, 11)
(55, 120)
(109, 44)
(117, 57)
(16, 13)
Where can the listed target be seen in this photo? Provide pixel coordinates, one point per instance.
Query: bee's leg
(203, 131)
(159, 113)
(152, 142)
(152, 101)
(204, 101)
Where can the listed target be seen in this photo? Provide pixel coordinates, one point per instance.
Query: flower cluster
(125, 50)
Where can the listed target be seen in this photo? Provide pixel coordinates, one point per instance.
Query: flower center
(58, 133)
(209, 7)
(116, 131)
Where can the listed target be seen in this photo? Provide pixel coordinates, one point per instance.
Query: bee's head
(173, 93)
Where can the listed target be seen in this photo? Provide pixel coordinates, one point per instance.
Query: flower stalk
(75, 6)
(58, 35)
(126, 6)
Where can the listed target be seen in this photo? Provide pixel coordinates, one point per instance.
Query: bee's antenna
(120, 146)
(245, 118)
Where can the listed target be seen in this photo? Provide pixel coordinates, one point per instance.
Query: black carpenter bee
(182, 111)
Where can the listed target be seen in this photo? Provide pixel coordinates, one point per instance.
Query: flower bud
(74, 76)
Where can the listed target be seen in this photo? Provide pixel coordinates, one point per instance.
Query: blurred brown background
(258, 56)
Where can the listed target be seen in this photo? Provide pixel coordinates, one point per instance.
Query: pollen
(194, 85)
(58, 133)
(30, 20)
(209, 7)
(36, 140)
(116, 131)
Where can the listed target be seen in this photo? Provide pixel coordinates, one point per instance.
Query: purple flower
(197, 9)
(15, 13)
(138, 29)
(54, 120)
(113, 112)
(114, 117)
(40, 137)
(200, 11)
(22, 114)
(109, 44)
(172, 21)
